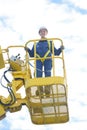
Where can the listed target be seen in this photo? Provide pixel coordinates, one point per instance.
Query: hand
(26, 48)
(62, 47)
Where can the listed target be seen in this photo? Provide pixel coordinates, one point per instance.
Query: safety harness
(46, 54)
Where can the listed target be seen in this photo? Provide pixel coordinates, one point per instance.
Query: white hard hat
(41, 28)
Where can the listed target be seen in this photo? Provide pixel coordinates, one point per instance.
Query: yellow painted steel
(52, 108)
(44, 108)
(2, 64)
(16, 65)
(2, 112)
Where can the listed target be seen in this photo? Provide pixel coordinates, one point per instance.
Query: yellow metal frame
(2, 64)
(43, 108)
(38, 105)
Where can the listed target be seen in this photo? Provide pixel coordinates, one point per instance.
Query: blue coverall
(41, 48)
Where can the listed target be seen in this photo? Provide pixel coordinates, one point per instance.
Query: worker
(43, 50)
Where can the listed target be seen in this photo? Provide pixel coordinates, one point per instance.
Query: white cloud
(79, 3)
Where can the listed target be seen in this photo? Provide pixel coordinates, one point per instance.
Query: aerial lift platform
(43, 108)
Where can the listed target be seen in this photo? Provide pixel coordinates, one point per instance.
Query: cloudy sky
(66, 19)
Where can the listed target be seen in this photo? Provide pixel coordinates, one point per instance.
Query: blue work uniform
(42, 47)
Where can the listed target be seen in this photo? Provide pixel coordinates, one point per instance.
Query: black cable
(5, 76)
(11, 93)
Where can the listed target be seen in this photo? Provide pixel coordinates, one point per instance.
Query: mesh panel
(45, 107)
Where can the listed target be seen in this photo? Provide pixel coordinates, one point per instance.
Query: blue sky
(67, 19)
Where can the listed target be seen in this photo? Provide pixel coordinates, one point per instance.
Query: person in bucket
(43, 50)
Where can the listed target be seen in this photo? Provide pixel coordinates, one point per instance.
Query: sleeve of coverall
(57, 51)
(31, 52)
